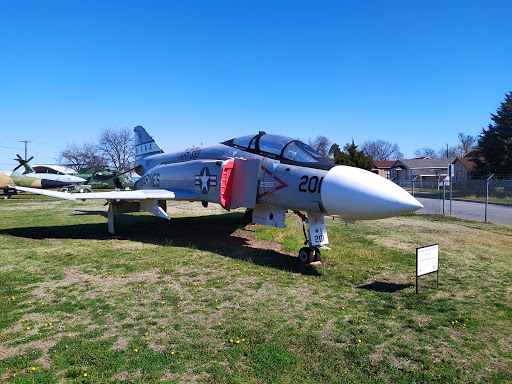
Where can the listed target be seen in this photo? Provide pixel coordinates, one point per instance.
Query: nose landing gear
(316, 239)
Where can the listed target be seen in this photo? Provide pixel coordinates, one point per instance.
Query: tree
(114, 149)
(380, 150)
(117, 146)
(495, 142)
(426, 152)
(447, 152)
(354, 158)
(466, 143)
(321, 145)
(460, 150)
(334, 150)
(82, 156)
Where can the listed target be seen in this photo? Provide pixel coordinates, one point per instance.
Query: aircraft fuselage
(279, 183)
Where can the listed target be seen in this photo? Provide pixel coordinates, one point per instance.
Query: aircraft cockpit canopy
(277, 146)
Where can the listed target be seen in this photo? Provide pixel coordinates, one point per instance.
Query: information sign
(427, 261)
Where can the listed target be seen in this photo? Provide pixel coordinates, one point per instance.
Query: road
(496, 213)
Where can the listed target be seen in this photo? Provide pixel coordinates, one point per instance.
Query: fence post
(413, 180)
(450, 178)
(444, 195)
(487, 195)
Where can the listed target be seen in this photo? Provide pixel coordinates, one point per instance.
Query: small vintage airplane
(9, 180)
(267, 174)
(61, 177)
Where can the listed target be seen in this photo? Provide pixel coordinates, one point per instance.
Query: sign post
(427, 261)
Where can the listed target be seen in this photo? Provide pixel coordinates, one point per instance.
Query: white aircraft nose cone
(357, 194)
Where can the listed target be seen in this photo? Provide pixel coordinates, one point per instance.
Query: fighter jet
(265, 173)
(55, 175)
(9, 180)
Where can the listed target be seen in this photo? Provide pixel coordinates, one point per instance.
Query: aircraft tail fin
(145, 145)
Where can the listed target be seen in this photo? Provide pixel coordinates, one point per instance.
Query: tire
(306, 255)
(247, 217)
(318, 255)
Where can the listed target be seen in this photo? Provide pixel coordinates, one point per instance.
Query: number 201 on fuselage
(312, 184)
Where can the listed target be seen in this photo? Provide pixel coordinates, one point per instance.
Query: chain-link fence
(479, 200)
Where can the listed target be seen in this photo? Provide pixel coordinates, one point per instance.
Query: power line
(3, 146)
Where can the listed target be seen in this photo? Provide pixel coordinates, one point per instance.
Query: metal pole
(450, 167)
(25, 141)
(413, 184)
(451, 197)
(487, 194)
(417, 280)
(444, 195)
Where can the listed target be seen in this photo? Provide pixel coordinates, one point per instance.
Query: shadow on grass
(212, 233)
(381, 286)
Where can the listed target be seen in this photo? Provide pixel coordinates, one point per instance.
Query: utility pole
(25, 141)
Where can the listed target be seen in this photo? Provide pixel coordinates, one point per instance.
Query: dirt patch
(247, 235)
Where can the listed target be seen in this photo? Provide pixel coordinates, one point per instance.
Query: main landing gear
(316, 237)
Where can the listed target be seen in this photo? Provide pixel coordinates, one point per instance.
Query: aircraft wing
(141, 194)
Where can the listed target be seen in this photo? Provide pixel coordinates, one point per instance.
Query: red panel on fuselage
(226, 184)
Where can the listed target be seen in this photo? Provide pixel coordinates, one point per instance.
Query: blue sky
(412, 72)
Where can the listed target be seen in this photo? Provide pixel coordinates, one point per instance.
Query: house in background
(425, 169)
(464, 168)
(383, 168)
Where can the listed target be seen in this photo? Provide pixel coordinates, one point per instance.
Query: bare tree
(321, 144)
(82, 156)
(448, 152)
(466, 143)
(117, 147)
(380, 150)
(426, 152)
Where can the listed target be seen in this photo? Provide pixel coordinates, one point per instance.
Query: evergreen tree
(495, 143)
(334, 150)
(352, 157)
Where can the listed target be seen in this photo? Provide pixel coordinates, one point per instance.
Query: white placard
(427, 259)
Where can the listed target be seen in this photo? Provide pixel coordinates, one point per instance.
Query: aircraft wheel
(306, 255)
(248, 217)
(318, 255)
(7, 197)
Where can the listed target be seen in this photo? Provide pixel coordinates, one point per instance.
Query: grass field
(198, 299)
